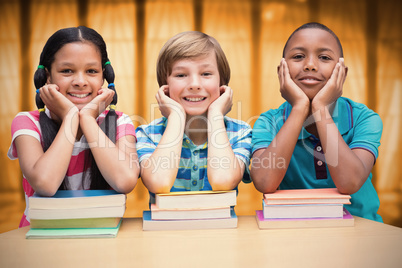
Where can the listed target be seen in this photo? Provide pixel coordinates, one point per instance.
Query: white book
(345, 221)
(162, 225)
(69, 199)
(101, 212)
(189, 214)
(303, 211)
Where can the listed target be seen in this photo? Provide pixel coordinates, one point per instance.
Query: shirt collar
(342, 116)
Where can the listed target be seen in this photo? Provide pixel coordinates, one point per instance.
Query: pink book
(306, 196)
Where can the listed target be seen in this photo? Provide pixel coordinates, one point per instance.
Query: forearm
(347, 170)
(118, 163)
(159, 171)
(46, 172)
(269, 165)
(224, 169)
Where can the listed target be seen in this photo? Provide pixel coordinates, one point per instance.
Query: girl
(74, 143)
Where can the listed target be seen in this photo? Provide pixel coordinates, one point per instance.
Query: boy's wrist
(214, 114)
(302, 108)
(181, 116)
(317, 106)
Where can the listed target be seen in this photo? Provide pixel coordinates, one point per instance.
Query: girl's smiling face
(77, 71)
(194, 83)
(311, 55)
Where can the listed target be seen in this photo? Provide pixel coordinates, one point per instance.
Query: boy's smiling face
(311, 55)
(194, 83)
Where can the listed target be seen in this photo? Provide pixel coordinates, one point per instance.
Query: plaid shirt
(192, 170)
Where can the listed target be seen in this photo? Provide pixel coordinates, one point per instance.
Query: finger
(158, 99)
(280, 73)
(335, 75)
(222, 90)
(286, 73)
(342, 76)
(165, 90)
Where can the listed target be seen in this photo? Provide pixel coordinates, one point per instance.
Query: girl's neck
(196, 129)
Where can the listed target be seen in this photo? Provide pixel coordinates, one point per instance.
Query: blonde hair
(187, 45)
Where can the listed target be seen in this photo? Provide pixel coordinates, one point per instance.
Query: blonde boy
(194, 146)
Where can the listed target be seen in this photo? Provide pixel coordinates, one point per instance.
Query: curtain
(252, 34)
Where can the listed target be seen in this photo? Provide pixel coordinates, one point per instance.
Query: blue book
(196, 224)
(71, 199)
(73, 233)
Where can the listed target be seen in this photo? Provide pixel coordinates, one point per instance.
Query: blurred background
(252, 34)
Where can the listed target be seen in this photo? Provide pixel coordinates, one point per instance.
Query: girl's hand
(223, 104)
(168, 106)
(95, 107)
(288, 88)
(56, 102)
(333, 88)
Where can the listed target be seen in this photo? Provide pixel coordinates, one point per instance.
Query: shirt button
(319, 163)
(195, 153)
(194, 182)
(195, 167)
(319, 148)
(187, 141)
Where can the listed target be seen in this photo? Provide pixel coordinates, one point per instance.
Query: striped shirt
(192, 170)
(27, 123)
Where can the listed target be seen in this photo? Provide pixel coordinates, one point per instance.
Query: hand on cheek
(223, 104)
(56, 102)
(99, 103)
(333, 89)
(168, 106)
(288, 88)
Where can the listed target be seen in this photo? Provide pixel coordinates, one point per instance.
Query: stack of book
(76, 214)
(304, 208)
(191, 210)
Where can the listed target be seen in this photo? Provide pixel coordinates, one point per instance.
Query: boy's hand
(168, 106)
(288, 88)
(223, 104)
(95, 107)
(333, 88)
(56, 102)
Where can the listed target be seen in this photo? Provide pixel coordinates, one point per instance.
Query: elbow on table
(126, 182)
(262, 182)
(44, 188)
(224, 181)
(264, 188)
(155, 184)
(349, 187)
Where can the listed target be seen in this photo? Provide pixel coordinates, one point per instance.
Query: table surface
(367, 244)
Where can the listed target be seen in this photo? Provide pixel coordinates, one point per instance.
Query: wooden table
(367, 244)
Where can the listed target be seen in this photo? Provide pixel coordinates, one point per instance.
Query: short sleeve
(239, 134)
(124, 126)
(367, 132)
(145, 144)
(265, 129)
(25, 123)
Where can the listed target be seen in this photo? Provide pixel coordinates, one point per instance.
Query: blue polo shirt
(359, 126)
(192, 170)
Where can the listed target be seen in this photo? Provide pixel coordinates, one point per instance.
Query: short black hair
(314, 25)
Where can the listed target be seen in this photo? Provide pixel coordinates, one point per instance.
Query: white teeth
(194, 99)
(80, 95)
